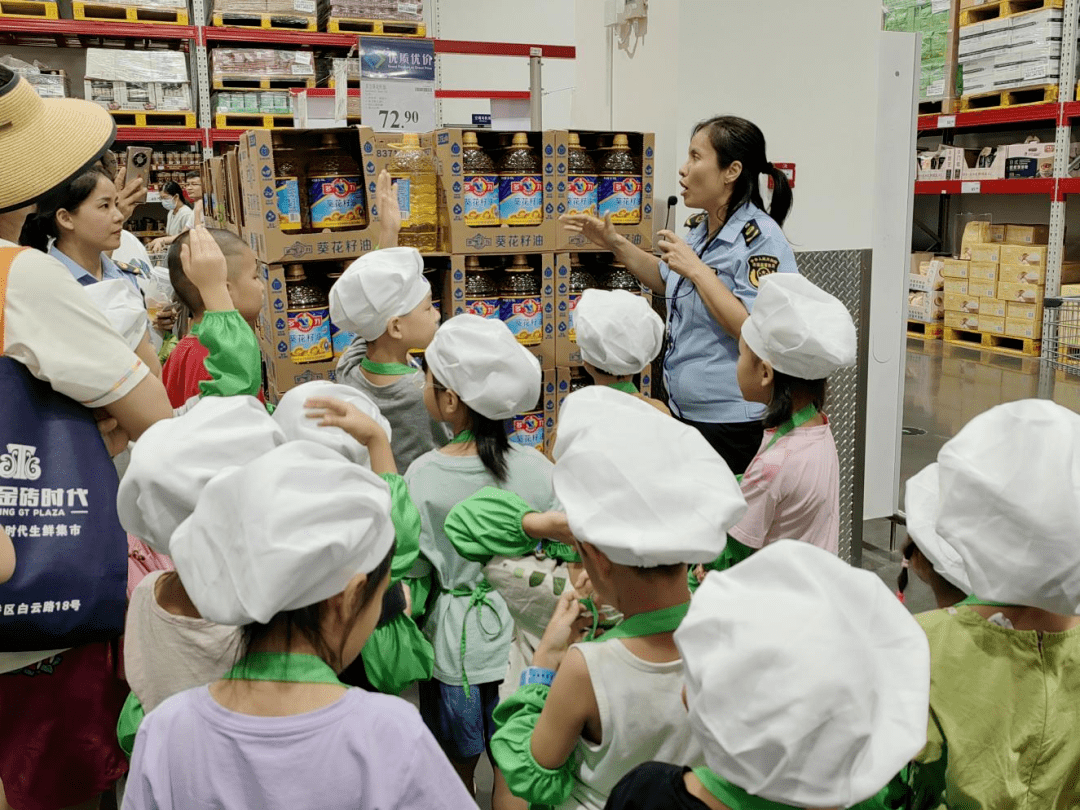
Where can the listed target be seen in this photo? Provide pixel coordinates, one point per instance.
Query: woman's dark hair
(41, 226)
(738, 139)
(902, 580)
(307, 621)
(785, 389)
(173, 189)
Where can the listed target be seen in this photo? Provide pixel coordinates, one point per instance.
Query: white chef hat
(618, 332)
(378, 286)
(481, 361)
(800, 329)
(922, 500)
(642, 487)
(123, 308)
(285, 531)
(292, 416)
(172, 461)
(1010, 504)
(807, 682)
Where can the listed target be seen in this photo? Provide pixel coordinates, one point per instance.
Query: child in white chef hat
(796, 337)
(1005, 663)
(643, 495)
(384, 298)
(295, 547)
(800, 695)
(934, 561)
(477, 377)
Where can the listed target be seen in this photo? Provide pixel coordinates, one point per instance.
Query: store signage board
(946, 121)
(397, 84)
(971, 187)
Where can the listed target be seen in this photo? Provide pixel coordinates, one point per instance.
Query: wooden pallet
(939, 106)
(253, 121)
(925, 331)
(29, 8)
(1041, 94)
(101, 12)
(153, 118)
(390, 28)
(353, 83)
(995, 9)
(273, 22)
(262, 83)
(999, 344)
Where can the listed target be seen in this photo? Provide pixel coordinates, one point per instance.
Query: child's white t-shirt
(793, 491)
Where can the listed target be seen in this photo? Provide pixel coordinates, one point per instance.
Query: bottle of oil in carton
(335, 188)
(579, 379)
(413, 169)
(309, 318)
(619, 278)
(581, 189)
(340, 339)
(481, 294)
(521, 198)
(528, 428)
(620, 184)
(293, 213)
(519, 302)
(580, 280)
(480, 182)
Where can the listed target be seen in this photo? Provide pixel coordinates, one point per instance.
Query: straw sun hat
(44, 142)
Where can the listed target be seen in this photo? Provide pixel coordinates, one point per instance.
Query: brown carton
(956, 285)
(961, 320)
(995, 326)
(981, 253)
(1031, 255)
(1027, 234)
(1020, 293)
(1022, 274)
(961, 303)
(994, 307)
(982, 271)
(982, 289)
(1027, 312)
(1023, 328)
(955, 268)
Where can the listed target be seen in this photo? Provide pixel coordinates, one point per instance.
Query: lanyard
(734, 796)
(557, 551)
(387, 369)
(625, 387)
(478, 598)
(646, 624)
(285, 667)
(974, 600)
(798, 419)
(463, 437)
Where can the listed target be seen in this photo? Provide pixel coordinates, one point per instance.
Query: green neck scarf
(974, 600)
(387, 369)
(625, 387)
(735, 797)
(664, 620)
(285, 667)
(797, 420)
(463, 437)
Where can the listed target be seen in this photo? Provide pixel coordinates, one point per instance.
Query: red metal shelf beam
(160, 135)
(313, 38)
(327, 92)
(502, 49)
(10, 27)
(995, 117)
(1041, 185)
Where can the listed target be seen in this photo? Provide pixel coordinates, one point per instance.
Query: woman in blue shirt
(711, 279)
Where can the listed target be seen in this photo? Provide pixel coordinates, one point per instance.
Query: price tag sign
(397, 84)
(946, 121)
(971, 187)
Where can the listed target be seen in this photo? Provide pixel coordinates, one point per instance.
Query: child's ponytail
(785, 390)
(902, 580)
(491, 443)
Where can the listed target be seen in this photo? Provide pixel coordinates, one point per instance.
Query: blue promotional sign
(397, 84)
(397, 58)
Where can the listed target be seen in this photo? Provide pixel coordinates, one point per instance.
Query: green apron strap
(800, 418)
(387, 369)
(285, 667)
(463, 437)
(733, 796)
(478, 598)
(974, 600)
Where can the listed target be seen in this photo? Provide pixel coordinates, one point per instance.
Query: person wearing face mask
(181, 217)
(711, 279)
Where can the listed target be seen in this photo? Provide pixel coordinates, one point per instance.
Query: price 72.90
(396, 119)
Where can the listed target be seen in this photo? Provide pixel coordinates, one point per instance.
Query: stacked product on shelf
(137, 80)
(329, 68)
(139, 11)
(933, 20)
(47, 81)
(293, 14)
(241, 102)
(1029, 160)
(261, 68)
(386, 10)
(926, 297)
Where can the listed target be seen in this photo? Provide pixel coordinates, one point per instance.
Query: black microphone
(669, 223)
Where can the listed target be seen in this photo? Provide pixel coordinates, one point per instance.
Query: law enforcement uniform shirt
(109, 269)
(699, 368)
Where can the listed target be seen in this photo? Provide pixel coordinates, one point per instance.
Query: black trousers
(736, 442)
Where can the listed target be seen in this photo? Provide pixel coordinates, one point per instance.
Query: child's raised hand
(205, 266)
(549, 526)
(386, 201)
(332, 412)
(569, 624)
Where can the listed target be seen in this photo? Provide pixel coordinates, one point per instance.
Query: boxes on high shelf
(961, 320)
(925, 273)
(954, 302)
(1027, 235)
(1020, 293)
(1034, 159)
(988, 164)
(955, 268)
(943, 163)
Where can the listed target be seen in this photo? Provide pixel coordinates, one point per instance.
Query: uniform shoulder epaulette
(751, 232)
(696, 220)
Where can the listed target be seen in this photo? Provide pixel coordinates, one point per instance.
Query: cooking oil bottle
(519, 302)
(579, 379)
(335, 188)
(481, 294)
(580, 280)
(521, 198)
(293, 214)
(528, 428)
(340, 339)
(619, 278)
(581, 188)
(309, 318)
(481, 184)
(413, 169)
(620, 184)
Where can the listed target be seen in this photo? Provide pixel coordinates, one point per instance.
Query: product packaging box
(977, 232)
(926, 273)
(956, 285)
(943, 163)
(981, 252)
(961, 320)
(955, 268)
(994, 307)
(989, 164)
(995, 326)
(1023, 328)
(105, 93)
(983, 271)
(1032, 255)
(1032, 159)
(172, 96)
(982, 289)
(996, 234)
(1022, 274)
(1027, 235)
(926, 307)
(954, 302)
(1026, 312)
(1020, 293)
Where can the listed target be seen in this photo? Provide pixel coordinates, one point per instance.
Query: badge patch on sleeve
(761, 266)
(695, 220)
(751, 232)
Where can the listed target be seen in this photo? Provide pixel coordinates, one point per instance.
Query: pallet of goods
(47, 82)
(926, 301)
(140, 88)
(934, 20)
(154, 12)
(31, 9)
(285, 15)
(240, 69)
(378, 17)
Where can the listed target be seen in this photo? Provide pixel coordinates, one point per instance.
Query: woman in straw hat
(58, 708)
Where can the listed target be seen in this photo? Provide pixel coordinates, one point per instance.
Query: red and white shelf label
(946, 121)
(971, 187)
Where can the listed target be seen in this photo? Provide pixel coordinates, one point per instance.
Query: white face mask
(168, 203)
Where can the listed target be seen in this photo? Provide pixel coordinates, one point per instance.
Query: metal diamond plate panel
(846, 274)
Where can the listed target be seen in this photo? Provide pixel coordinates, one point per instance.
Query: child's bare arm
(570, 705)
(386, 201)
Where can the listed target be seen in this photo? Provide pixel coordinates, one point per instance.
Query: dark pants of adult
(736, 442)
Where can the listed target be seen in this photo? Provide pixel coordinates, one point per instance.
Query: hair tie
(905, 563)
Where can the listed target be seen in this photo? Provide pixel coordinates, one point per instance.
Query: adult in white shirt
(181, 217)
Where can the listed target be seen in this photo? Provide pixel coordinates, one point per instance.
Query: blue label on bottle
(481, 200)
(521, 199)
(404, 198)
(581, 195)
(484, 307)
(525, 318)
(574, 299)
(309, 335)
(528, 430)
(336, 202)
(340, 339)
(288, 203)
(620, 196)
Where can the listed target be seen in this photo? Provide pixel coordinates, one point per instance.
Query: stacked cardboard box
(259, 63)
(926, 298)
(137, 80)
(1010, 52)
(931, 18)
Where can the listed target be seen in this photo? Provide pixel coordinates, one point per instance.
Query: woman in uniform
(711, 279)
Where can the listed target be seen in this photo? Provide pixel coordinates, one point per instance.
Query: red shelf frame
(327, 92)
(995, 117)
(97, 30)
(1040, 185)
(160, 135)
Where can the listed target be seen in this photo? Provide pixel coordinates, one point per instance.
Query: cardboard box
(260, 211)
(981, 253)
(1026, 312)
(925, 272)
(989, 164)
(458, 237)
(961, 303)
(1031, 255)
(173, 96)
(994, 307)
(927, 307)
(955, 268)
(978, 288)
(961, 320)
(995, 326)
(996, 234)
(976, 232)
(1023, 328)
(1022, 274)
(1027, 234)
(943, 163)
(983, 271)
(1033, 159)
(956, 285)
(1020, 293)
(105, 93)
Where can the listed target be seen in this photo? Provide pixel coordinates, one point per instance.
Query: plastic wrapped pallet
(47, 82)
(136, 66)
(278, 8)
(931, 19)
(377, 10)
(260, 62)
(171, 5)
(1007, 53)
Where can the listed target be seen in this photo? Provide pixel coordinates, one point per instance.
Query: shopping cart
(1061, 334)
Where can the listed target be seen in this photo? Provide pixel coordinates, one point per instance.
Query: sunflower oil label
(288, 203)
(525, 319)
(484, 307)
(481, 200)
(620, 196)
(520, 199)
(309, 335)
(340, 339)
(336, 202)
(528, 430)
(404, 198)
(574, 299)
(581, 194)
